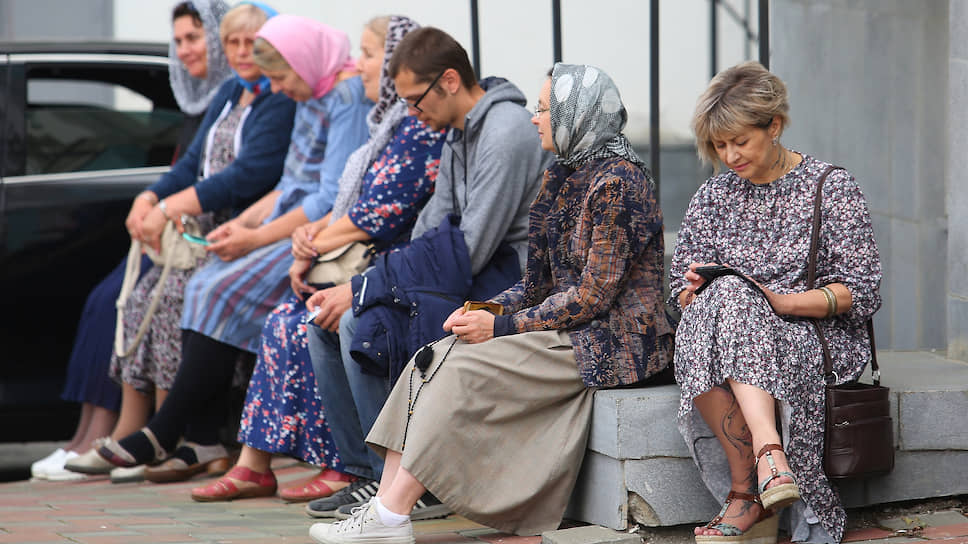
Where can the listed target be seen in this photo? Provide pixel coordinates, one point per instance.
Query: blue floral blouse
(399, 182)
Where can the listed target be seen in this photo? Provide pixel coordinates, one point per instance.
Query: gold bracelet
(831, 301)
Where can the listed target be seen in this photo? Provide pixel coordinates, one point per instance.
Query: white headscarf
(192, 94)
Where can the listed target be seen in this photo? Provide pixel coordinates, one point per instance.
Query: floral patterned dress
(730, 331)
(158, 356)
(283, 412)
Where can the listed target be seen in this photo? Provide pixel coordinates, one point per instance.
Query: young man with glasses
(490, 171)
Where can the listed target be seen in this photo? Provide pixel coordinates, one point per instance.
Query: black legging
(196, 405)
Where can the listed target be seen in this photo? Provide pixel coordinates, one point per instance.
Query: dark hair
(428, 52)
(186, 8)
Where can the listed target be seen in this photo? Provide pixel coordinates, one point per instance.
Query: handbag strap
(132, 270)
(829, 375)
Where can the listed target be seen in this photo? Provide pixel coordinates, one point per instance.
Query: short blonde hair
(241, 18)
(379, 26)
(746, 95)
(267, 57)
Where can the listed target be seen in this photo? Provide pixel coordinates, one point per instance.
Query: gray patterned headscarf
(587, 117)
(193, 95)
(382, 120)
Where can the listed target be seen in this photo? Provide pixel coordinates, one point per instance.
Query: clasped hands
(473, 327)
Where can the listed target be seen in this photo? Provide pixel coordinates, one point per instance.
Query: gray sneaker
(427, 507)
(362, 527)
(354, 494)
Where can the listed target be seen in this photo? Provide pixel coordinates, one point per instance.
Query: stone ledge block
(933, 420)
(600, 496)
(637, 423)
(667, 491)
(916, 475)
(591, 534)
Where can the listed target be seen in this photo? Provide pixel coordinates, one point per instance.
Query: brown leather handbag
(859, 430)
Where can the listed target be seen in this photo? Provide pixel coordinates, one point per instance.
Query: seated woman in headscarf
(235, 158)
(384, 185)
(495, 420)
(227, 300)
(198, 68)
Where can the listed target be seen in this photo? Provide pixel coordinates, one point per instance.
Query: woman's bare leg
(254, 459)
(399, 490)
(722, 414)
(102, 421)
(77, 441)
(390, 466)
(758, 408)
(135, 409)
(160, 396)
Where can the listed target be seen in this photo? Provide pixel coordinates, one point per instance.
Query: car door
(83, 134)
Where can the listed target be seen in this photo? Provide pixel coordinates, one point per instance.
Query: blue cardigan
(256, 168)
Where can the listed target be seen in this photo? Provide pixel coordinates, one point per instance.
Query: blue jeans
(351, 398)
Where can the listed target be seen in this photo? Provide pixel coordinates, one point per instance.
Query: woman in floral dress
(738, 353)
(384, 185)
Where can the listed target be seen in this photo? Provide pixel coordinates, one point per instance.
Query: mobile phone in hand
(312, 315)
(492, 307)
(196, 239)
(713, 271)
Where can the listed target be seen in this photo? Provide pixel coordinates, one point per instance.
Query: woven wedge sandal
(781, 495)
(764, 531)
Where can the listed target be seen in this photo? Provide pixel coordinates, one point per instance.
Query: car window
(80, 125)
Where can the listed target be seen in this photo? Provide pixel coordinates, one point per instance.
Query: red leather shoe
(324, 484)
(224, 489)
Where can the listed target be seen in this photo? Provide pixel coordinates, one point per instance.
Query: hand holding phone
(713, 271)
(196, 239)
(312, 315)
(492, 307)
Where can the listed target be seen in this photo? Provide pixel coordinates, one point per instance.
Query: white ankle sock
(388, 518)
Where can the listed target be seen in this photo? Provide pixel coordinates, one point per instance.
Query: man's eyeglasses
(416, 104)
(538, 110)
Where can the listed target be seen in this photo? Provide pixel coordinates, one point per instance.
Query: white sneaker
(362, 527)
(40, 468)
(57, 473)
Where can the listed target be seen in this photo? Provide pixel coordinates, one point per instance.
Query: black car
(85, 127)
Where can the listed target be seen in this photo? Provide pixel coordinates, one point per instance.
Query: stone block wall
(957, 181)
(868, 84)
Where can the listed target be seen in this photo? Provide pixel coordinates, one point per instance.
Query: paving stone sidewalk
(95, 511)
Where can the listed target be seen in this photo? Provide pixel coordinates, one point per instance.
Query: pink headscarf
(317, 52)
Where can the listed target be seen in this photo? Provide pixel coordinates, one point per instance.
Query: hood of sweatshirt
(497, 90)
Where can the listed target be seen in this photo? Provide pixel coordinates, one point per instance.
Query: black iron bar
(654, 94)
(475, 39)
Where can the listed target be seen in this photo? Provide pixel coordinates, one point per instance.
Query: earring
(774, 141)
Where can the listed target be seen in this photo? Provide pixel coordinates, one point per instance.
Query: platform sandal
(763, 531)
(781, 495)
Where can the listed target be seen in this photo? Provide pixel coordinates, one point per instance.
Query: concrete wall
(957, 291)
(33, 20)
(868, 91)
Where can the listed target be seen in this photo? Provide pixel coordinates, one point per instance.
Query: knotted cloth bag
(176, 252)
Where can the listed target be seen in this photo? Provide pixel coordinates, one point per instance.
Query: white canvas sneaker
(57, 473)
(362, 527)
(39, 469)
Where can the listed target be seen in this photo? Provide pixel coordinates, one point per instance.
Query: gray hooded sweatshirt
(492, 170)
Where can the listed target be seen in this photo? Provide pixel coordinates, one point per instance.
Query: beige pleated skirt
(498, 432)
